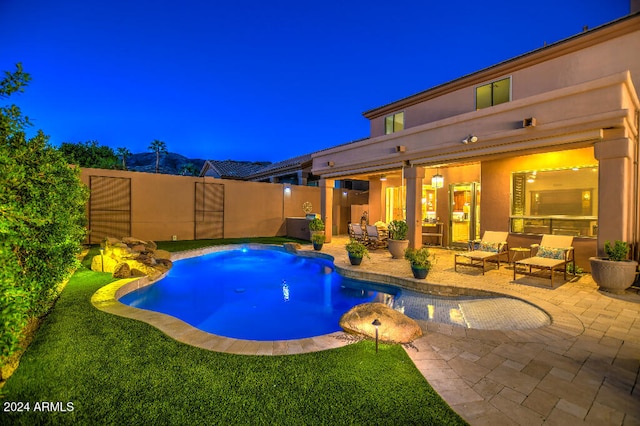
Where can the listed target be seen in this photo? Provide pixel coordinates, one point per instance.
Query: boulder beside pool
(131, 257)
(395, 327)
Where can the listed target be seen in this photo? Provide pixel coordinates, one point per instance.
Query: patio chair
(374, 238)
(490, 249)
(553, 253)
(355, 232)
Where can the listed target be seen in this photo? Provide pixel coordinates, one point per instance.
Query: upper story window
(493, 93)
(393, 123)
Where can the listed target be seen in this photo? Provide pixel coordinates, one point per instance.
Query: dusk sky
(256, 80)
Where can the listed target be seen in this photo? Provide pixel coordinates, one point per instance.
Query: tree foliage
(123, 153)
(42, 219)
(159, 147)
(89, 154)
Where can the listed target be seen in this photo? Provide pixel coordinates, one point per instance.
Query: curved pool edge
(563, 323)
(105, 299)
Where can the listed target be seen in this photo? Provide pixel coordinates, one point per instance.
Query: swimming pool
(269, 294)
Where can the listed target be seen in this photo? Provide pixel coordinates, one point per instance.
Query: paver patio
(581, 369)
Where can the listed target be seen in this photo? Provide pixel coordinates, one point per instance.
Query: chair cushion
(551, 253)
(491, 247)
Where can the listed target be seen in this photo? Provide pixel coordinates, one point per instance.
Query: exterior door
(464, 215)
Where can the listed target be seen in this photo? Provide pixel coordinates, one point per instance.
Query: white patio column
(326, 206)
(615, 190)
(413, 176)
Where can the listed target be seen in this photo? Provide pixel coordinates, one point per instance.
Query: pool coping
(563, 324)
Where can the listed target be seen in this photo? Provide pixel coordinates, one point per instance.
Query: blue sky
(256, 80)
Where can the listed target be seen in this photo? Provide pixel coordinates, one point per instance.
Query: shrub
(617, 251)
(42, 218)
(398, 230)
(318, 238)
(316, 225)
(420, 258)
(357, 249)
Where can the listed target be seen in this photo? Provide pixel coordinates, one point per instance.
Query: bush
(42, 220)
(420, 258)
(398, 230)
(357, 249)
(316, 225)
(617, 251)
(318, 238)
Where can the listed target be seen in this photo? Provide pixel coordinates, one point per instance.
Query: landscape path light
(376, 323)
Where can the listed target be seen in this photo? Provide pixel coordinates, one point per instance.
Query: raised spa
(269, 294)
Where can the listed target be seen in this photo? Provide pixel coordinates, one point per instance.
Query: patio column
(326, 206)
(376, 201)
(413, 176)
(615, 190)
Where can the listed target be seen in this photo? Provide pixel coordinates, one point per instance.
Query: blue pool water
(256, 294)
(260, 294)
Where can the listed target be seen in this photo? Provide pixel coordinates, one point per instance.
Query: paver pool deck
(581, 369)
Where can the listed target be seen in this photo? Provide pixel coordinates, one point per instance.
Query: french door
(464, 214)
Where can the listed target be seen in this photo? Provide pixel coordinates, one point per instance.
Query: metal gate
(209, 211)
(109, 208)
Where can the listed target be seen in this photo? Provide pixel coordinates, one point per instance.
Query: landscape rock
(162, 254)
(131, 257)
(395, 327)
(122, 270)
(291, 247)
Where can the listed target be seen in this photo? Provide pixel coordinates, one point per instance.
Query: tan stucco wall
(163, 205)
(542, 71)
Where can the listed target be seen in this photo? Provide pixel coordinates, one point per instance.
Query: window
(563, 202)
(393, 123)
(494, 93)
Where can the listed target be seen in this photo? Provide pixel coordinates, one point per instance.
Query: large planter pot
(611, 276)
(355, 260)
(317, 246)
(419, 273)
(397, 248)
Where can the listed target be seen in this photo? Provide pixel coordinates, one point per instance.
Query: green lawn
(115, 370)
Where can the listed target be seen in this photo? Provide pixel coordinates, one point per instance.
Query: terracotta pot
(397, 248)
(612, 276)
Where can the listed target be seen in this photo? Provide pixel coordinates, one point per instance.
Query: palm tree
(123, 153)
(159, 147)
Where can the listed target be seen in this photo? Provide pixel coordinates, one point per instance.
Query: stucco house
(543, 143)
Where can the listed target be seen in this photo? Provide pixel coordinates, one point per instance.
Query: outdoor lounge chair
(553, 253)
(356, 233)
(374, 238)
(492, 246)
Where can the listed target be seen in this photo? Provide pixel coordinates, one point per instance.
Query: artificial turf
(115, 370)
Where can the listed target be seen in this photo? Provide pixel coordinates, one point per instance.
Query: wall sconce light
(529, 122)
(383, 178)
(401, 148)
(437, 181)
(376, 323)
(287, 189)
(331, 163)
(470, 139)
